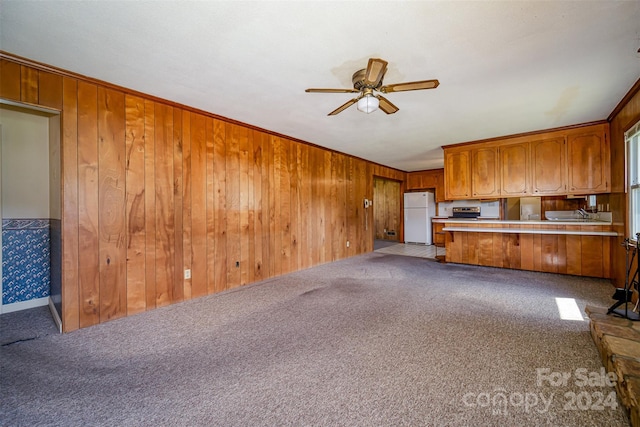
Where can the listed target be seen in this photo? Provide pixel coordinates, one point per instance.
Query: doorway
(387, 211)
(30, 204)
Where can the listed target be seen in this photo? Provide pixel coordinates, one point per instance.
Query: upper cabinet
(549, 166)
(485, 172)
(568, 161)
(457, 174)
(515, 170)
(589, 164)
(429, 179)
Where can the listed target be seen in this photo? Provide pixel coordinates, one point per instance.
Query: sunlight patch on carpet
(568, 309)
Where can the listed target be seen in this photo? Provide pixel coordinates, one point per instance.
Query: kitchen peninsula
(566, 247)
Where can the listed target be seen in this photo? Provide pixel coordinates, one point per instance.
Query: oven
(465, 212)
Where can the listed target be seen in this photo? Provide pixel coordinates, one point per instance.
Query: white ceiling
(504, 67)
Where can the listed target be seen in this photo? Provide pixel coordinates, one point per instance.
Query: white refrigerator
(419, 208)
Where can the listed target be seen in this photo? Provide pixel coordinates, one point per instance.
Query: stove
(466, 212)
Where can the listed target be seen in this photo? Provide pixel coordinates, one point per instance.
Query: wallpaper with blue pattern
(25, 259)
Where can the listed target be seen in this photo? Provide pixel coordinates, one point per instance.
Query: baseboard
(24, 305)
(54, 313)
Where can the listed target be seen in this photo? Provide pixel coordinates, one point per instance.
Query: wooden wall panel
(186, 207)
(294, 204)
(626, 117)
(338, 207)
(284, 233)
(217, 223)
(69, 149)
(233, 206)
(258, 238)
(177, 283)
(200, 246)
(50, 90)
(28, 85)
(88, 205)
(111, 204)
(150, 204)
(134, 210)
(151, 188)
(306, 220)
(165, 215)
(10, 80)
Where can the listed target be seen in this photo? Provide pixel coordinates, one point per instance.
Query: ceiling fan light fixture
(368, 104)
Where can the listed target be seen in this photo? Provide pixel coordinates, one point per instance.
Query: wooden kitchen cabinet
(515, 170)
(425, 180)
(572, 161)
(485, 170)
(438, 235)
(457, 170)
(589, 166)
(549, 166)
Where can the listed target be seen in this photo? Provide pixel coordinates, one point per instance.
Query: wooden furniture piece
(426, 180)
(581, 249)
(572, 161)
(438, 238)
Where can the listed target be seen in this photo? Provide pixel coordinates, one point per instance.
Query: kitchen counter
(482, 220)
(568, 247)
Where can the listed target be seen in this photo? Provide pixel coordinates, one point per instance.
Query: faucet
(584, 214)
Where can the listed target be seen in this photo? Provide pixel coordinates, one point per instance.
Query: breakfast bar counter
(580, 248)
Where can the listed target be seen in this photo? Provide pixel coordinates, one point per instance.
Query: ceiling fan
(368, 81)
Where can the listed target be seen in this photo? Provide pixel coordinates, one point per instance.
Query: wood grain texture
(232, 160)
(200, 244)
(548, 166)
(50, 90)
(552, 253)
(177, 284)
(217, 224)
(88, 205)
(10, 80)
(28, 85)
(70, 224)
(135, 209)
(150, 188)
(165, 220)
(150, 204)
(485, 179)
(186, 206)
(111, 190)
(386, 209)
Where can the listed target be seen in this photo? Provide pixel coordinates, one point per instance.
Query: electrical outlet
(187, 274)
(347, 243)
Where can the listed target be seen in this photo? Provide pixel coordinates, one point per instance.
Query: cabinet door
(589, 169)
(548, 166)
(457, 175)
(515, 170)
(414, 181)
(485, 181)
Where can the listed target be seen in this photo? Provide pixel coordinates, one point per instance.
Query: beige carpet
(374, 340)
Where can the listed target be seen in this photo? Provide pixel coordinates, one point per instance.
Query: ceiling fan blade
(386, 105)
(375, 72)
(400, 87)
(332, 90)
(343, 107)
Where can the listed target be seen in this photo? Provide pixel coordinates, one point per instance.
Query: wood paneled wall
(387, 206)
(626, 116)
(151, 188)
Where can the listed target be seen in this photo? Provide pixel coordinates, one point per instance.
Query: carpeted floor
(371, 340)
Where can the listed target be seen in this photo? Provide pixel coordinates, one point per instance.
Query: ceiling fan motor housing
(358, 80)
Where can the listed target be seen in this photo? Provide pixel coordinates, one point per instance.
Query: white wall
(25, 164)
